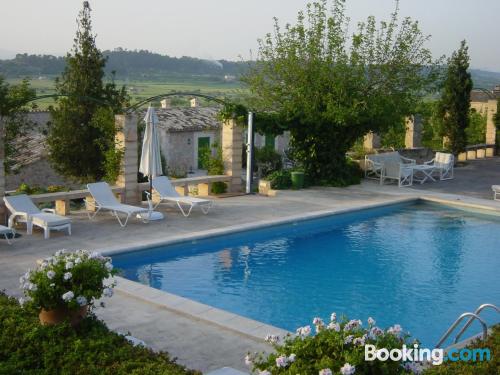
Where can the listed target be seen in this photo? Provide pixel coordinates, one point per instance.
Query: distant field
(140, 90)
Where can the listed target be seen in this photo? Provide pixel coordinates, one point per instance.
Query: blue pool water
(419, 265)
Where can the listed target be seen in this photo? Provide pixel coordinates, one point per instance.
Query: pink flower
(282, 361)
(304, 331)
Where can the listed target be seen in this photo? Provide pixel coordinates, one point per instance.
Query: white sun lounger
(167, 192)
(106, 200)
(4, 231)
(496, 192)
(23, 210)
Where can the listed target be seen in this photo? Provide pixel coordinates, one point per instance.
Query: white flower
(81, 300)
(78, 260)
(32, 287)
(348, 339)
(108, 266)
(248, 360)
(44, 265)
(334, 326)
(69, 265)
(395, 330)
(371, 321)
(67, 276)
(68, 296)
(95, 255)
(304, 331)
(51, 274)
(282, 361)
(272, 339)
(375, 331)
(347, 369)
(291, 358)
(325, 371)
(23, 300)
(359, 341)
(60, 252)
(107, 292)
(352, 324)
(333, 317)
(264, 372)
(52, 285)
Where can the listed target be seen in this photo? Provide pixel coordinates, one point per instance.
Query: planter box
(462, 156)
(481, 153)
(265, 188)
(471, 154)
(490, 152)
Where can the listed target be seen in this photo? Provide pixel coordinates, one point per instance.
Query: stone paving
(196, 342)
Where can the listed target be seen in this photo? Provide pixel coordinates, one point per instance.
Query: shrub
(215, 166)
(268, 160)
(280, 180)
(69, 280)
(337, 347)
(474, 368)
(28, 348)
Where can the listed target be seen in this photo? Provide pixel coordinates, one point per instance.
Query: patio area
(197, 343)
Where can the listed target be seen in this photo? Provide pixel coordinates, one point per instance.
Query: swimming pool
(416, 264)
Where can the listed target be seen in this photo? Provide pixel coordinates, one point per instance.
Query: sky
(229, 29)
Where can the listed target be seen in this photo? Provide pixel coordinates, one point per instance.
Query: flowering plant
(70, 280)
(337, 347)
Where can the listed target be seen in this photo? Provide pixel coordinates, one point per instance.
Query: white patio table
(422, 172)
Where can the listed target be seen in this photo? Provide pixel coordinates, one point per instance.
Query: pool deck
(202, 338)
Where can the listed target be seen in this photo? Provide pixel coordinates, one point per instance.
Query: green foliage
(330, 88)
(68, 280)
(332, 347)
(280, 180)
(267, 160)
(474, 368)
(28, 348)
(454, 105)
(83, 127)
(394, 135)
(476, 131)
(24, 188)
(13, 110)
(214, 166)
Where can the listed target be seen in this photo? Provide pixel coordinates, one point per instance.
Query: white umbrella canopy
(150, 164)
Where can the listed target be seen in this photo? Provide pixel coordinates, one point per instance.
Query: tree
(330, 88)
(454, 105)
(81, 136)
(13, 99)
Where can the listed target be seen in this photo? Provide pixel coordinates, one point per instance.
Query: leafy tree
(82, 134)
(13, 110)
(476, 131)
(454, 106)
(330, 88)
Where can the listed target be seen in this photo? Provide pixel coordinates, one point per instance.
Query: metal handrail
(460, 318)
(469, 322)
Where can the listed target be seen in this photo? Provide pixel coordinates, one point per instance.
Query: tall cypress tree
(82, 132)
(454, 106)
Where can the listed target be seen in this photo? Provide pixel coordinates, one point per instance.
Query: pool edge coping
(224, 319)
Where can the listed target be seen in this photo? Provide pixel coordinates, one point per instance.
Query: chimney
(194, 102)
(165, 103)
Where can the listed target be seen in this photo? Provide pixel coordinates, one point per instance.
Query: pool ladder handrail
(474, 315)
(469, 322)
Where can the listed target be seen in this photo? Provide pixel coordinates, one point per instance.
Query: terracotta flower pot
(61, 314)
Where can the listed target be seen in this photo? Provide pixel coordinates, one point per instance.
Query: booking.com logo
(434, 356)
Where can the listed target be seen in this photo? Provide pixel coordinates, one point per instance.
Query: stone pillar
(490, 122)
(126, 140)
(413, 136)
(232, 141)
(3, 211)
(371, 141)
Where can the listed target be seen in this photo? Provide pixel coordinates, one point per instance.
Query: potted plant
(65, 285)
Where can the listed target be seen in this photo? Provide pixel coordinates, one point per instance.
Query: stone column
(2, 172)
(126, 140)
(491, 109)
(232, 141)
(413, 136)
(371, 141)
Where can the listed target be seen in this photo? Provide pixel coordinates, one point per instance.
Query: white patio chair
(6, 232)
(373, 166)
(104, 199)
(496, 192)
(443, 164)
(402, 173)
(23, 210)
(167, 192)
(376, 167)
